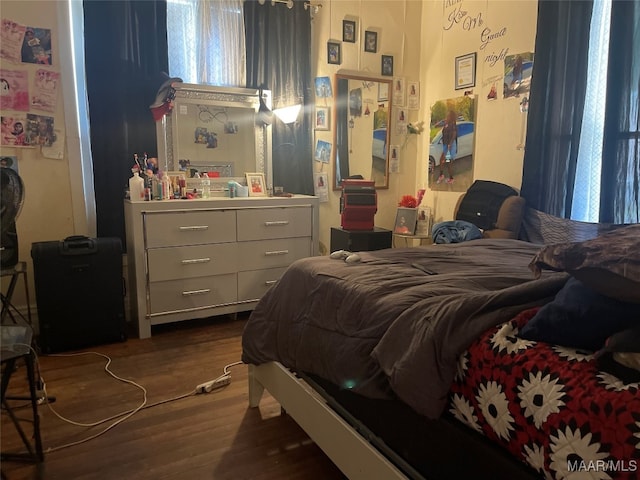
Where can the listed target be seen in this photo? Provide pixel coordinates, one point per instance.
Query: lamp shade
(288, 114)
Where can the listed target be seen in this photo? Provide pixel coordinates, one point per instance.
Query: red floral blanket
(550, 406)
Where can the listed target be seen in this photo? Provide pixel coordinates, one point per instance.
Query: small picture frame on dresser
(257, 187)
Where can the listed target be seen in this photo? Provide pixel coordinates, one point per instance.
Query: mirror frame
(343, 103)
(217, 96)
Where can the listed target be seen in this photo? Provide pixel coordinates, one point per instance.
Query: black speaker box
(79, 287)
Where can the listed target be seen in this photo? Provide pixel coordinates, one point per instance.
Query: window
(586, 195)
(206, 41)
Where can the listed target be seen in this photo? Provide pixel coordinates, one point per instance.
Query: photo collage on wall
(28, 97)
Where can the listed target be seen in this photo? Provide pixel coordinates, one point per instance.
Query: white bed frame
(349, 450)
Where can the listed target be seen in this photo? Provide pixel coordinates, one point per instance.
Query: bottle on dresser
(136, 186)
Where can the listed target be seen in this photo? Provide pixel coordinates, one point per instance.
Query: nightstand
(401, 241)
(360, 240)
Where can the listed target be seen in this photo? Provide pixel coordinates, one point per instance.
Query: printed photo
(406, 219)
(370, 41)
(323, 87)
(349, 31)
(323, 151)
(256, 184)
(452, 143)
(517, 74)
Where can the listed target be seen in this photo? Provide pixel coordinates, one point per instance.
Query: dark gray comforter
(395, 323)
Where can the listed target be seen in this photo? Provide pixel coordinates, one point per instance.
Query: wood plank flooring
(207, 436)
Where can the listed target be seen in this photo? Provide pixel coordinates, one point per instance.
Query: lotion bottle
(136, 187)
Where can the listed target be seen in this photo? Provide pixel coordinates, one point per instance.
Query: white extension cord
(211, 385)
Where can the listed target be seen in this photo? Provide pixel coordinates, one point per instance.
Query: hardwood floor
(206, 436)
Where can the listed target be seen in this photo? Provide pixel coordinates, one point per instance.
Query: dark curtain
(125, 51)
(558, 86)
(556, 108)
(278, 58)
(619, 192)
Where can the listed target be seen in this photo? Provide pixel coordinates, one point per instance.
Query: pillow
(580, 318)
(608, 264)
(621, 355)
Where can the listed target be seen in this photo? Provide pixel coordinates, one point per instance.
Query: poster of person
(452, 141)
(45, 91)
(13, 130)
(321, 186)
(413, 96)
(11, 36)
(40, 130)
(517, 74)
(398, 92)
(36, 46)
(14, 90)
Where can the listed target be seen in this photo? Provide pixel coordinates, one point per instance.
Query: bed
(412, 362)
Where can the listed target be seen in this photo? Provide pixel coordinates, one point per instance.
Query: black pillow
(619, 357)
(580, 318)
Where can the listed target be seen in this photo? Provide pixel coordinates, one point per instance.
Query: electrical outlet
(213, 384)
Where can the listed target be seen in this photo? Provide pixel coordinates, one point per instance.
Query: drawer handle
(193, 227)
(270, 282)
(191, 261)
(196, 292)
(277, 223)
(276, 252)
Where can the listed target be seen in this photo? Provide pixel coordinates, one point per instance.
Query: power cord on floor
(206, 387)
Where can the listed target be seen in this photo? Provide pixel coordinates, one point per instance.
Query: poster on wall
(13, 130)
(40, 130)
(398, 91)
(323, 87)
(413, 96)
(452, 136)
(14, 90)
(36, 46)
(45, 91)
(11, 36)
(517, 74)
(321, 186)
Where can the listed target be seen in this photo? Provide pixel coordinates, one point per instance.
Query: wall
(425, 37)
(399, 25)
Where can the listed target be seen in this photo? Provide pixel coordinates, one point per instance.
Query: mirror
(361, 134)
(215, 129)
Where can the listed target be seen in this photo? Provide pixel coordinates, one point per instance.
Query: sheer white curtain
(586, 193)
(206, 41)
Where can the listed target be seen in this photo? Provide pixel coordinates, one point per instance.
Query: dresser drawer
(189, 228)
(178, 295)
(253, 285)
(265, 223)
(280, 252)
(171, 263)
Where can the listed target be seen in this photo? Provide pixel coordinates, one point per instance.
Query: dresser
(198, 258)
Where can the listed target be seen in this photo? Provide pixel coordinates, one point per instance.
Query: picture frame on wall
(370, 41)
(349, 31)
(334, 54)
(256, 184)
(465, 74)
(323, 118)
(387, 65)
